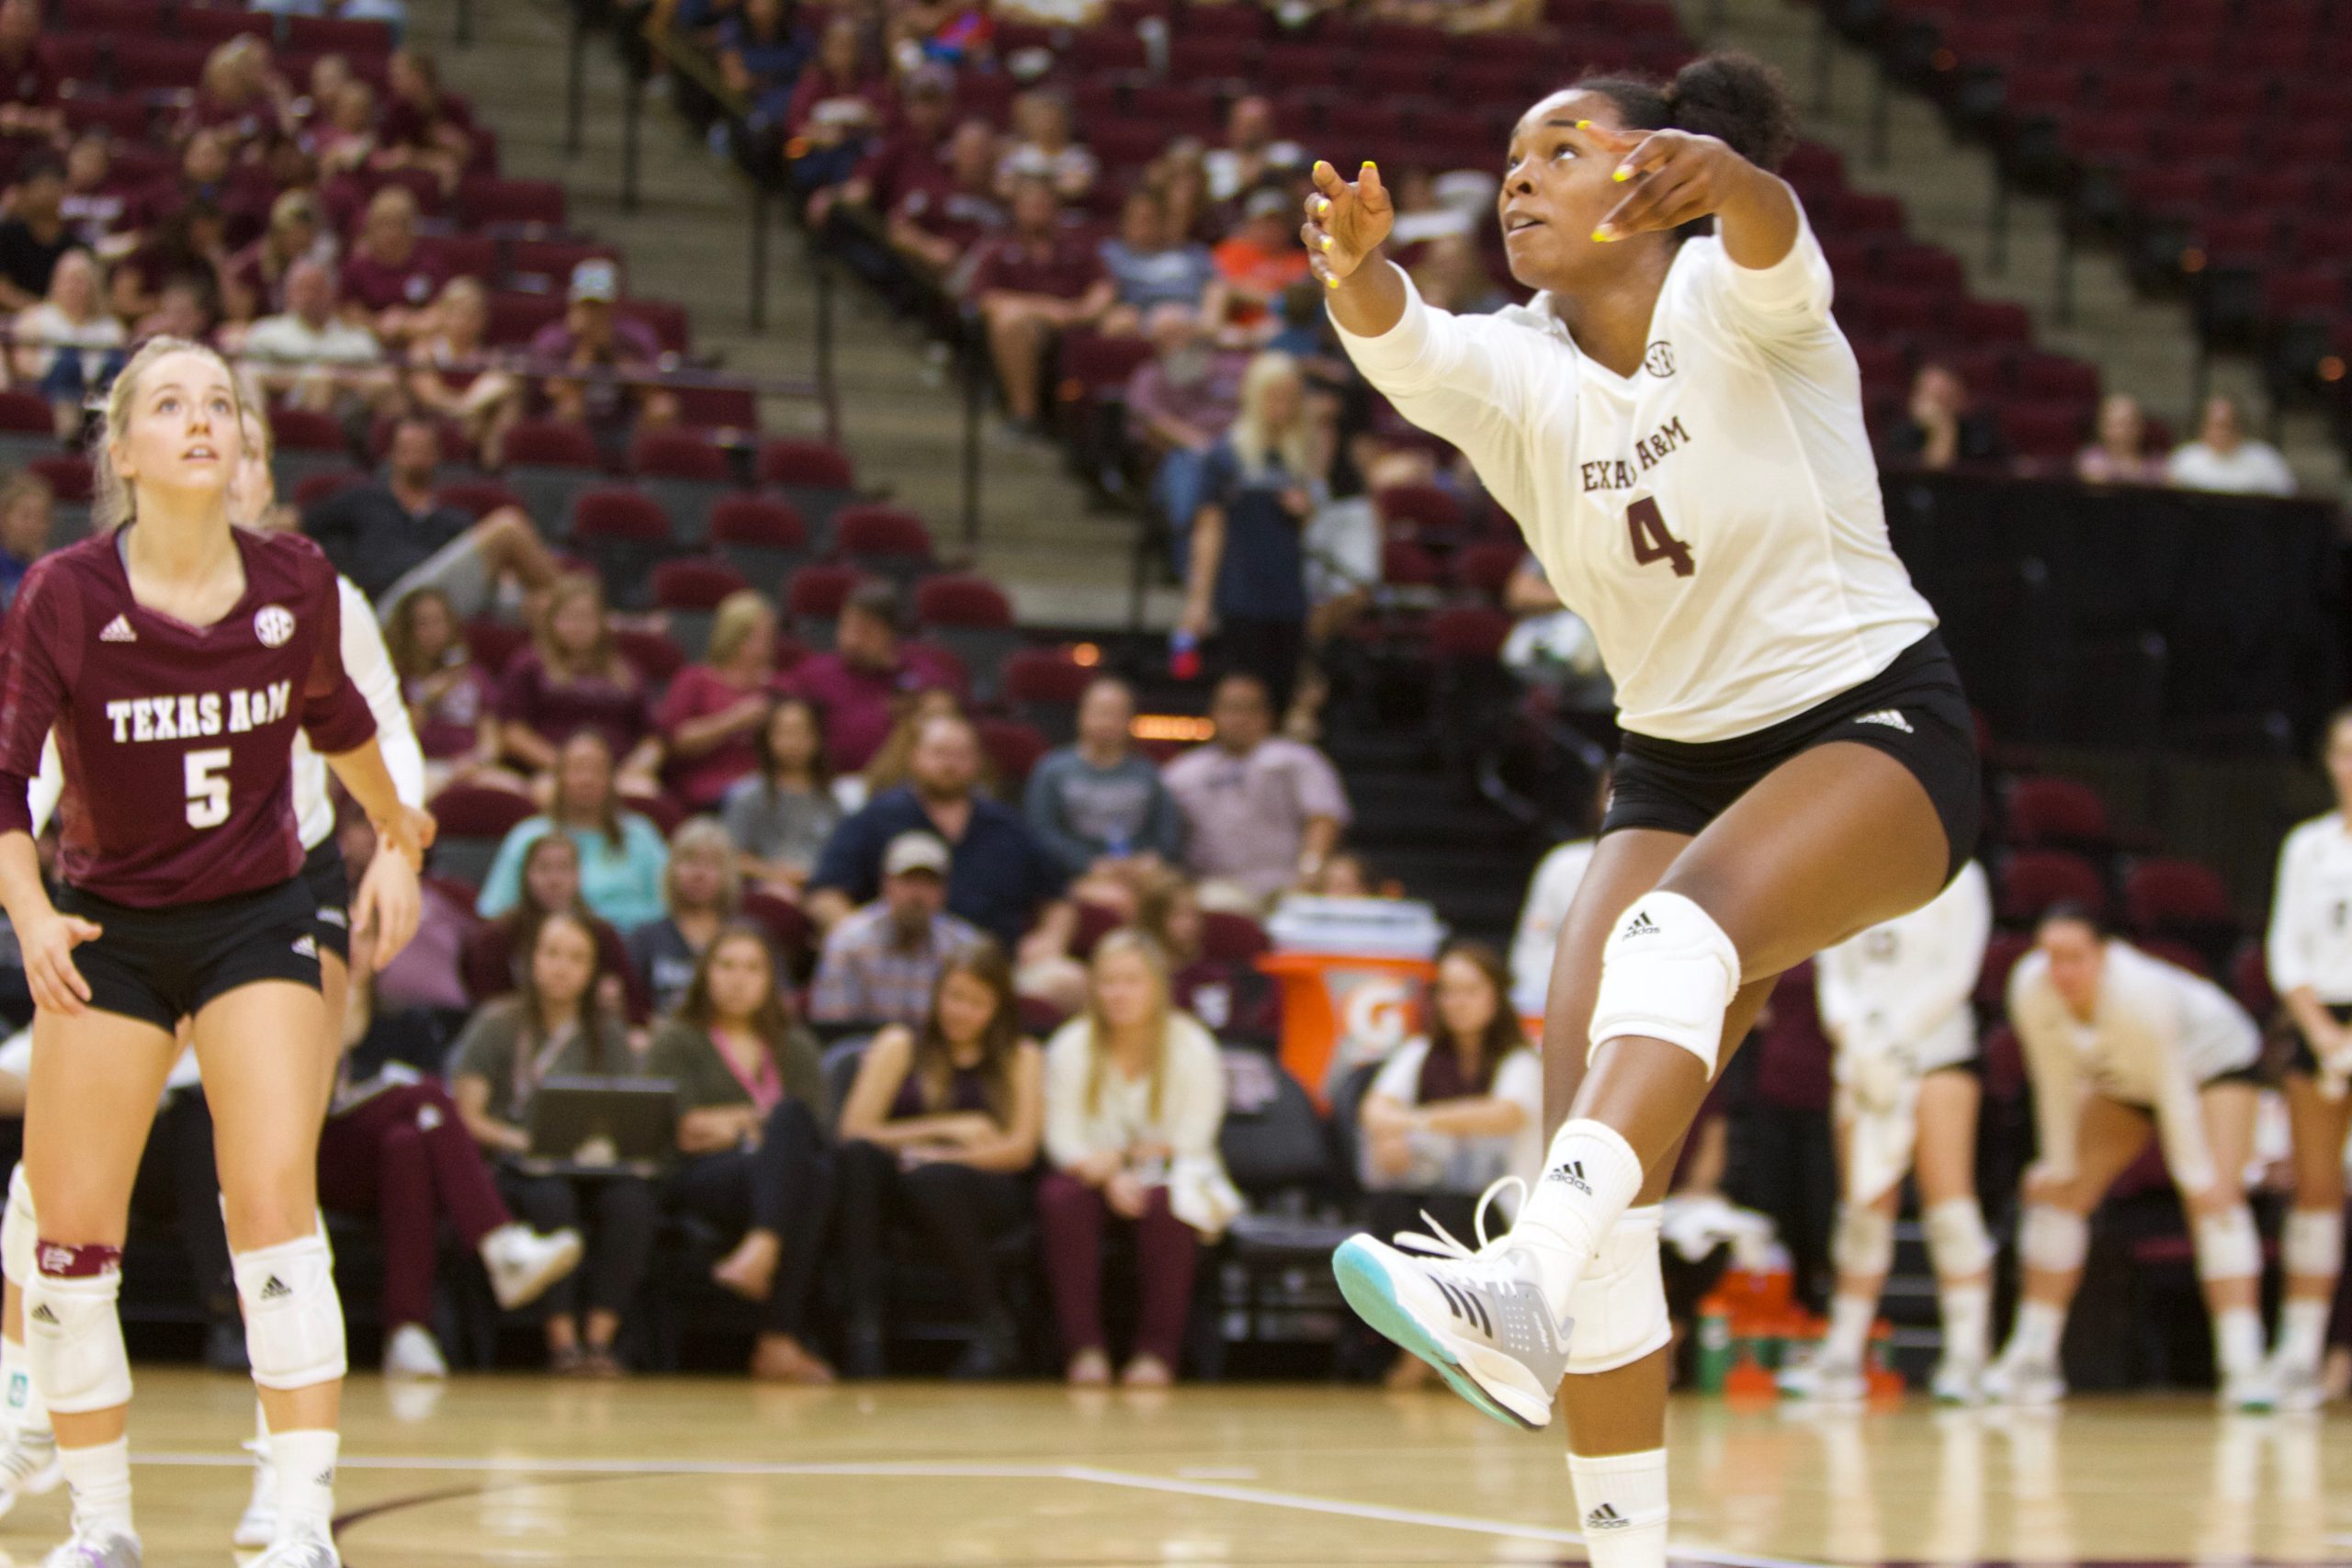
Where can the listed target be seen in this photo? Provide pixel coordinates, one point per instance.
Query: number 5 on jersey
(207, 787)
(1652, 541)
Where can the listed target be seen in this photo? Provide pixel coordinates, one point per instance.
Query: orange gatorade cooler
(1354, 974)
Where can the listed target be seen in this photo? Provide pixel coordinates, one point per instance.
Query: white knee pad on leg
(74, 1337)
(1958, 1246)
(19, 1231)
(2310, 1244)
(1863, 1245)
(2228, 1247)
(1619, 1306)
(2055, 1239)
(1668, 972)
(293, 1317)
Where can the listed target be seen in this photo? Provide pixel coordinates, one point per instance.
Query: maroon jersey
(175, 740)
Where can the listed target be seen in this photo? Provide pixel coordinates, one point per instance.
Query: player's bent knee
(1958, 1245)
(2054, 1239)
(1668, 972)
(72, 1331)
(2310, 1244)
(293, 1317)
(1618, 1309)
(2228, 1247)
(19, 1231)
(1863, 1245)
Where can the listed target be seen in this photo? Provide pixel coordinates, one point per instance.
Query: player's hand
(48, 947)
(408, 835)
(1345, 223)
(389, 905)
(1671, 177)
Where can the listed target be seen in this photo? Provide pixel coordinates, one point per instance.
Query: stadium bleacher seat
(2033, 880)
(971, 617)
(473, 820)
(625, 533)
(548, 463)
(687, 473)
(689, 592)
(761, 538)
(813, 597)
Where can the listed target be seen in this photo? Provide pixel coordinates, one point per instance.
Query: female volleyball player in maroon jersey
(175, 658)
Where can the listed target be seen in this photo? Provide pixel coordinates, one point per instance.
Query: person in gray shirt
(781, 816)
(1101, 799)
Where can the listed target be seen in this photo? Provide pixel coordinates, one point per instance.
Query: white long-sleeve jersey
(1903, 987)
(1715, 517)
(2156, 1033)
(2309, 940)
(370, 667)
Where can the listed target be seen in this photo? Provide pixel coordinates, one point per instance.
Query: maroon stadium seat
(2001, 955)
(2041, 811)
(654, 656)
(1486, 567)
(484, 202)
(1468, 631)
(2250, 980)
(693, 584)
(68, 474)
(479, 497)
(2166, 895)
(678, 454)
(1013, 749)
(2032, 880)
(1045, 678)
(812, 463)
(494, 644)
(961, 599)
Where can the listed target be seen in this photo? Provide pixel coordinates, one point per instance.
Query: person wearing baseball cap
(593, 335)
(880, 962)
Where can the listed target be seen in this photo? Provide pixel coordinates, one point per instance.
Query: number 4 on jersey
(1652, 541)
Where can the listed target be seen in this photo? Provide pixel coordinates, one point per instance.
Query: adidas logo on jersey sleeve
(1888, 717)
(118, 630)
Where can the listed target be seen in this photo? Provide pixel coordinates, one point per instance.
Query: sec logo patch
(1658, 359)
(273, 624)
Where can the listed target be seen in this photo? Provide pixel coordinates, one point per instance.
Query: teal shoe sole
(1366, 1284)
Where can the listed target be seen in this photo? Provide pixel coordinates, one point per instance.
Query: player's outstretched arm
(1675, 177)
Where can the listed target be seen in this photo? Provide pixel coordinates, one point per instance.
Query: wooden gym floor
(502, 1470)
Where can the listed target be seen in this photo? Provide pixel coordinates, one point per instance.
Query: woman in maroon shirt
(176, 660)
(423, 127)
(571, 678)
(449, 697)
(841, 102)
(713, 712)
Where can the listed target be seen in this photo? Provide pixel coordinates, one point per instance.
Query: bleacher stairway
(686, 241)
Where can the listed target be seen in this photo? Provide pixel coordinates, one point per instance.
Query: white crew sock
(1621, 1498)
(1968, 1321)
(26, 1410)
(305, 1463)
(2302, 1333)
(1590, 1176)
(1849, 1330)
(2237, 1341)
(2040, 1327)
(100, 1479)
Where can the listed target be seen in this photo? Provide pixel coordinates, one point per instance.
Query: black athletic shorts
(161, 965)
(2252, 1073)
(2300, 1061)
(329, 888)
(1913, 711)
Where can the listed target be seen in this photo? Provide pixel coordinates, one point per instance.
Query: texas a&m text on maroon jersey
(175, 740)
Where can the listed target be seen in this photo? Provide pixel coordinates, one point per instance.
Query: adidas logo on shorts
(1889, 718)
(276, 1290)
(40, 1314)
(306, 946)
(333, 917)
(118, 630)
(1640, 925)
(1572, 1173)
(1606, 1518)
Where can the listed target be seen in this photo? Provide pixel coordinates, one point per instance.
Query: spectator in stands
(879, 963)
(1231, 996)
(393, 14)
(1179, 402)
(1452, 1109)
(70, 345)
(1261, 485)
(1030, 285)
(316, 107)
(1261, 257)
(594, 336)
(94, 201)
(780, 816)
(489, 961)
(712, 715)
(312, 357)
(1181, 176)
(1042, 148)
(1260, 811)
(622, 857)
(187, 309)
(34, 235)
(1134, 1096)
(1423, 217)
(573, 681)
(1101, 800)
(1550, 894)
(1452, 276)
(912, 153)
(297, 232)
(1001, 878)
(240, 96)
(189, 245)
(859, 685)
(703, 892)
(764, 48)
(1943, 428)
(840, 104)
(942, 217)
(751, 1114)
(2223, 457)
(27, 83)
(423, 127)
(389, 285)
(939, 1131)
(28, 513)
(346, 142)
(391, 537)
(451, 375)
(1151, 268)
(892, 763)
(555, 1027)
(2120, 455)
(450, 698)
(1252, 154)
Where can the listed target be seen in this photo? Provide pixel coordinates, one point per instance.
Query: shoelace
(1441, 1243)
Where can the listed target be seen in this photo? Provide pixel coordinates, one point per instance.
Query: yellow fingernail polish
(1603, 234)
(1327, 241)
(1584, 124)
(1330, 283)
(1372, 166)
(1623, 174)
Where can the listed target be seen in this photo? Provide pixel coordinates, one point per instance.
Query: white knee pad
(2054, 1239)
(2228, 1247)
(74, 1336)
(293, 1317)
(1619, 1307)
(1863, 1245)
(1668, 972)
(2310, 1244)
(1957, 1244)
(19, 1231)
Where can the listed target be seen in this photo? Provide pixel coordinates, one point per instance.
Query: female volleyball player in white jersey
(1677, 423)
(2310, 953)
(2119, 1044)
(1895, 1002)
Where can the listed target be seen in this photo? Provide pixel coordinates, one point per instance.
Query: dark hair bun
(1739, 100)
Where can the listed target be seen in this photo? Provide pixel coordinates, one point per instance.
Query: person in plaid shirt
(880, 962)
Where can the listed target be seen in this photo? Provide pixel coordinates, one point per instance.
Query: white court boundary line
(902, 1470)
